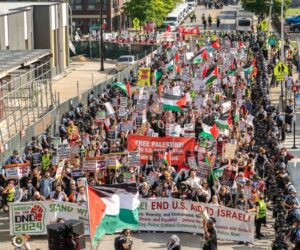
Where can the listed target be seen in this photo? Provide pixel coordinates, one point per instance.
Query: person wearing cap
(210, 235)
(295, 235)
(14, 159)
(174, 243)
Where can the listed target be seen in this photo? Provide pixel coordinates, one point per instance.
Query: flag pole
(88, 206)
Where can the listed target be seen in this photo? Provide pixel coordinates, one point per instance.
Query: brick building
(86, 13)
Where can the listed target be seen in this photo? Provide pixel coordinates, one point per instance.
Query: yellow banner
(144, 77)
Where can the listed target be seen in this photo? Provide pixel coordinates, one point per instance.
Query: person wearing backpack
(124, 241)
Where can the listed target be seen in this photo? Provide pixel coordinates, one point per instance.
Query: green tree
(149, 10)
(261, 7)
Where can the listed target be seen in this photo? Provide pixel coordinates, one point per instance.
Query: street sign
(294, 88)
(280, 70)
(136, 23)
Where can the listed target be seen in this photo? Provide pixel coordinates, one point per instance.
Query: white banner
(33, 217)
(185, 216)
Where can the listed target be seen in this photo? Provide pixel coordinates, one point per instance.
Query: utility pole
(270, 16)
(101, 37)
(282, 52)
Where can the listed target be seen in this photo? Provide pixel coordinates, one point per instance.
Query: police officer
(261, 209)
(295, 235)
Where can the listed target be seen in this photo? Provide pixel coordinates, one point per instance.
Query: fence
(111, 50)
(53, 117)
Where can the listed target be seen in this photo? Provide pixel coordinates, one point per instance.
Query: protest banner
(134, 158)
(147, 145)
(17, 171)
(33, 217)
(59, 170)
(144, 77)
(185, 216)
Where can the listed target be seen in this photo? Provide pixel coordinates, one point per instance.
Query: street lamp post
(101, 37)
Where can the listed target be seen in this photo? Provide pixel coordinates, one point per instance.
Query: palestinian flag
(158, 74)
(241, 45)
(170, 66)
(173, 102)
(112, 208)
(233, 68)
(224, 123)
(248, 68)
(215, 45)
(167, 157)
(201, 57)
(210, 75)
(209, 132)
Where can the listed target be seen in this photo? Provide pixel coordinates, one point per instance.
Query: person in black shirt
(124, 241)
(210, 235)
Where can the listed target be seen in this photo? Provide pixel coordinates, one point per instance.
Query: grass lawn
(292, 11)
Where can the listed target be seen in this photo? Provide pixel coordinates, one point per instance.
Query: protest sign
(230, 151)
(89, 164)
(63, 151)
(192, 162)
(144, 77)
(17, 171)
(109, 108)
(59, 170)
(100, 115)
(123, 102)
(185, 216)
(126, 126)
(56, 141)
(76, 173)
(36, 159)
(134, 158)
(203, 170)
(33, 217)
(147, 144)
(152, 177)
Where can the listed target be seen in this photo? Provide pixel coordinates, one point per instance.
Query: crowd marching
(214, 91)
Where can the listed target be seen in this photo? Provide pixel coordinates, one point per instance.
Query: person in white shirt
(193, 181)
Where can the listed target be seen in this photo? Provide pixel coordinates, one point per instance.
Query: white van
(192, 3)
(244, 20)
(173, 20)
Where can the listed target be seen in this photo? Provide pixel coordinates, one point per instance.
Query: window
(244, 23)
(76, 4)
(95, 4)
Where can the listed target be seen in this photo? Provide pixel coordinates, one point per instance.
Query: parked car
(124, 61)
(292, 19)
(295, 27)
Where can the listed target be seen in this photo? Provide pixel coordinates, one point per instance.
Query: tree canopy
(149, 10)
(262, 7)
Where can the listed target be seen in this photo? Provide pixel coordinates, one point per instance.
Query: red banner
(188, 31)
(147, 145)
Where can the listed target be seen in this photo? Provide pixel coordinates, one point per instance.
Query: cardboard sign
(17, 171)
(122, 112)
(77, 173)
(134, 158)
(127, 126)
(230, 150)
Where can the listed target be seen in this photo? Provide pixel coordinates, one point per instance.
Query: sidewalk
(87, 75)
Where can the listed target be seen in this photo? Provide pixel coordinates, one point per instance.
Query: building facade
(36, 25)
(86, 13)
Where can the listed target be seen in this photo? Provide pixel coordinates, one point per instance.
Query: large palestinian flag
(209, 132)
(112, 208)
(209, 75)
(173, 102)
